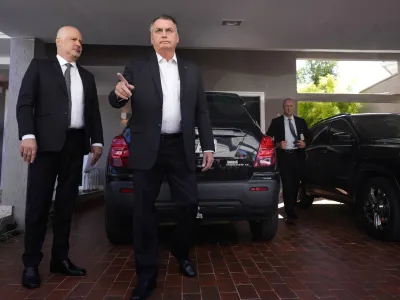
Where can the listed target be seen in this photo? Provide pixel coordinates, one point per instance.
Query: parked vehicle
(243, 183)
(355, 159)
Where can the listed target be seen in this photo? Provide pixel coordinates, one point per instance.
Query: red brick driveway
(324, 256)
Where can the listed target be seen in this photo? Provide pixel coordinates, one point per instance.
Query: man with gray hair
(167, 102)
(59, 122)
(291, 136)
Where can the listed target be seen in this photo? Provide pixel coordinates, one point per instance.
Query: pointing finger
(121, 78)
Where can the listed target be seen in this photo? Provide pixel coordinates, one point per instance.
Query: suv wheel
(304, 200)
(378, 208)
(266, 229)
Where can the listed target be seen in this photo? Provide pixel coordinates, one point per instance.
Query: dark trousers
(291, 164)
(171, 161)
(42, 174)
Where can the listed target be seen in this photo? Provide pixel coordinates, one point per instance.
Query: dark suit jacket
(43, 106)
(277, 129)
(147, 104)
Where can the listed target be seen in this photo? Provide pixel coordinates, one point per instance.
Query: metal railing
(90, 180)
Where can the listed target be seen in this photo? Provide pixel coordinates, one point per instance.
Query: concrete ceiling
(339, 25)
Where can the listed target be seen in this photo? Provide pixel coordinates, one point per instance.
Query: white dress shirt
(288, 135)
(77, 97)
(171, 89)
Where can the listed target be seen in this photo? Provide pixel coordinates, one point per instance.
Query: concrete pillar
(3, 92)
(14, 170)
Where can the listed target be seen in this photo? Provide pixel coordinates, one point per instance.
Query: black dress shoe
(31, 278)
(66, 267)
(186, 267)
(143, 289)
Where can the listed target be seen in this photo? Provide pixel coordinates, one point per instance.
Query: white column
(14, 170)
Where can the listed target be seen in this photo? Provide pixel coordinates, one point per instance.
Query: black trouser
(171, 160)
(291, 164)
(42, 174)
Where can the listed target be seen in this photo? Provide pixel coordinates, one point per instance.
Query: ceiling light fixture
(231, 23)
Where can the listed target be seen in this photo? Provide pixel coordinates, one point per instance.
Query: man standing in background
(290, 134)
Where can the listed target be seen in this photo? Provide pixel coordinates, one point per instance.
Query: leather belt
(290, 150)
(171, 135)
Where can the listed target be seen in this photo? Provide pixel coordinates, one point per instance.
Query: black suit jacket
(277, 129)
(43, 106)
(147, 105)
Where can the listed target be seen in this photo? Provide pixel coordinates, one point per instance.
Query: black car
(243, 183)
(355, 159)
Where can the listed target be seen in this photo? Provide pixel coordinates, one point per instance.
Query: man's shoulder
(138, 62)
(84, 70)
(276, 119)
(41, 61)
(189, 65)
(299, 119)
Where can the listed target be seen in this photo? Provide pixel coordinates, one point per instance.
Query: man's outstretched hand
(123, 89)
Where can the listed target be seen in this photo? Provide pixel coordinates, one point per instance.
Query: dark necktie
(292, 130)
(67, 76)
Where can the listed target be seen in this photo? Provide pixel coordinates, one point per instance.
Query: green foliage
(321, 77)
(314, 112)
(326, 85)
(315, 69)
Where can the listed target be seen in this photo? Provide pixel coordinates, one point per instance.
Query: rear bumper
(217, 200)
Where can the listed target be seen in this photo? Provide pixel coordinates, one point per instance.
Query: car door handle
(324, 151)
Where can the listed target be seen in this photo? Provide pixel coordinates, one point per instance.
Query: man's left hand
(97, 151)
(301, 144)
(208, 160)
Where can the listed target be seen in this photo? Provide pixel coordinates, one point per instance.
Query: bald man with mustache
(59, 122)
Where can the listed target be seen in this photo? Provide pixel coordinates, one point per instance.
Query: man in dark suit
(59, 122)
(290, 134)
(167, 102)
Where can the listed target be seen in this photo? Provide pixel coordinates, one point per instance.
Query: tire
(304, 200)
(118, 231)
(389, 209)
(264, 230)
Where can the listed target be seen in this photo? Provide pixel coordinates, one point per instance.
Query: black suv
(243, 183)
(355, 159)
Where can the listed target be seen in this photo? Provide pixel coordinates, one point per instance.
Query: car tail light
(119, 152)
(266, 153)
(259, 189)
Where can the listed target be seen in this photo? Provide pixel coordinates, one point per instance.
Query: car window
(378, 126)
(339, 126)
(227, 107)
(320, 135)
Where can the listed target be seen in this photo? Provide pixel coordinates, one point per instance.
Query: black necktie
(292, 130)
(67, 76)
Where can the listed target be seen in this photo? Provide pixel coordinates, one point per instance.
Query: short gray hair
(163, 17)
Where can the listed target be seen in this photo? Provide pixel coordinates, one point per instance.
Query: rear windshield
(378, 126)
(227, 107)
